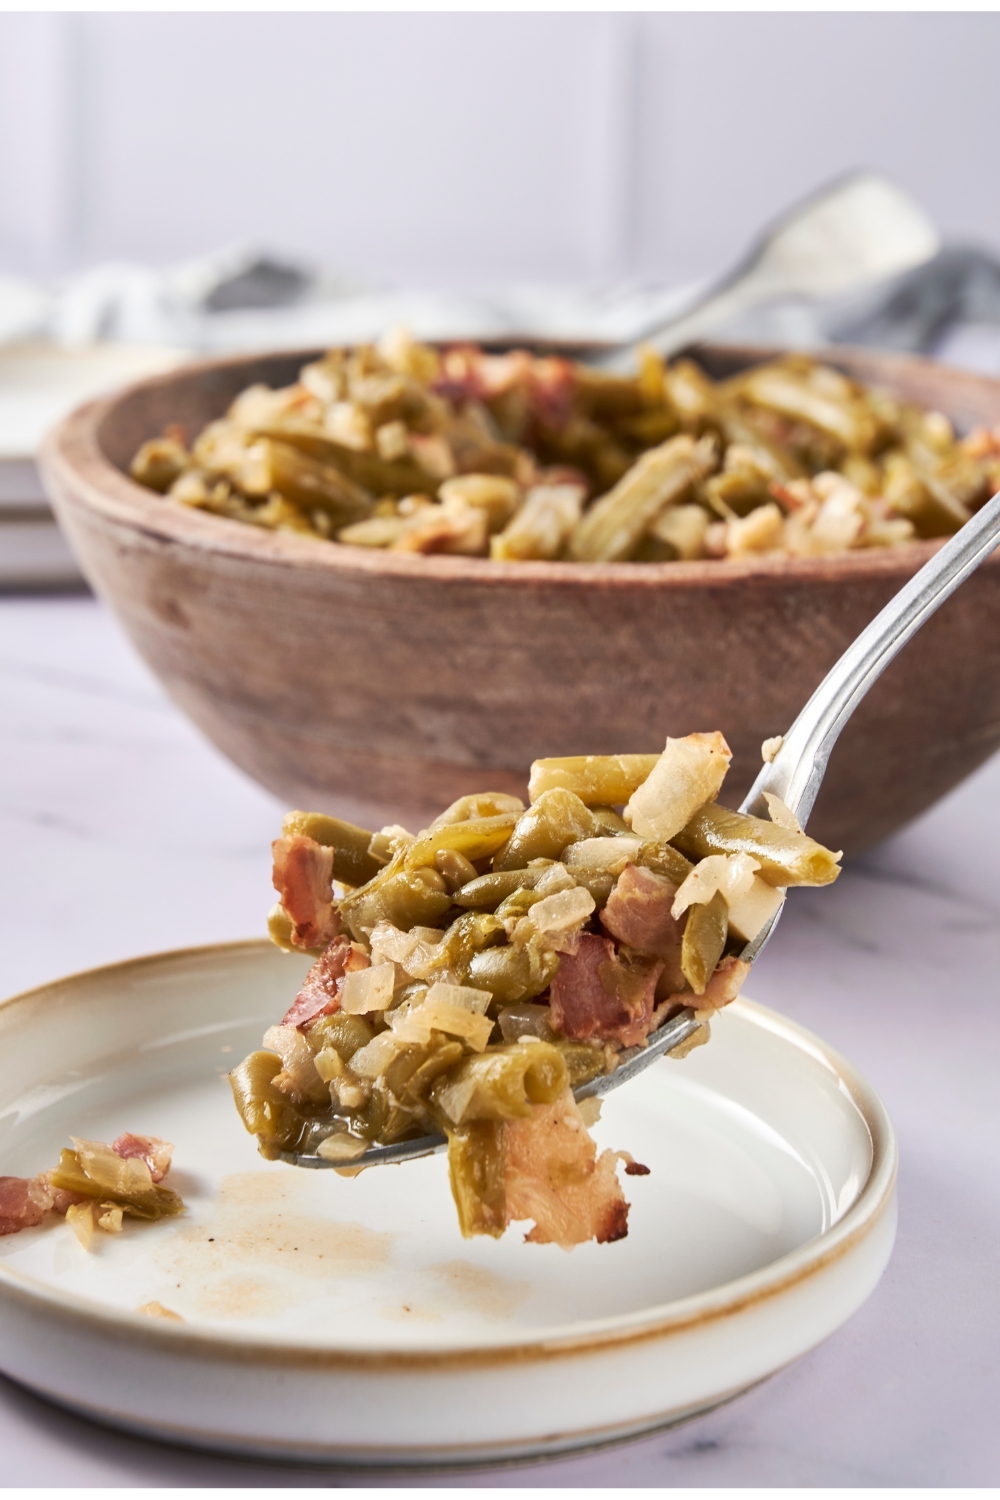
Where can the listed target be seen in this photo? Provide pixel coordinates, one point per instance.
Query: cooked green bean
(703, 941)
(404, 898)
(476, 1173)
(487, 891)
(435, 458)
(664, 859)
(785, 857)
(266, 1112)
(598, 780)
(475, 838)
(502, 1083)
(555, 819)
(71, 1176)
(513, 972)
(614, 525)
(352, 862)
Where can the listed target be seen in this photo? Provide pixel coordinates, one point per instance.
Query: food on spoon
(469, 977)
(95, 1186)
(522, 457)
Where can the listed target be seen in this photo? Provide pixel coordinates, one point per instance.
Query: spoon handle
(798, 769)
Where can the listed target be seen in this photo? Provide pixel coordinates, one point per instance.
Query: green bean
(476, 838)
(266, 1112)
(71, 1176)
(847, 418)
(517, 971)
(737, 492)
(785, 857)
(703, 941)
(486, 892)
(501, 1083)
(404, 898)
(600, 883)
(911, 494)
(310, 483)
(583, 1060)
(613, 526)
(609, 823)
(456, 869)
(517, 1021)
(517, 904)
(376, 475)
(557, 818)
(479, 805)
(664, 859)
(411, 1072)
(352, 863)
(159, 464)
(476, 1171)
(369, 1119)
(595, 779)
(468, 935)
(345, 1034)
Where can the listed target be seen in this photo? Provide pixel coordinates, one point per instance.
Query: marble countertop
(123, 833)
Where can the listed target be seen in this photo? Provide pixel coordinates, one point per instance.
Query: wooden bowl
(383, 685)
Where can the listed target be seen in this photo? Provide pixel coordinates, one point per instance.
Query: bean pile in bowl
(516, 456)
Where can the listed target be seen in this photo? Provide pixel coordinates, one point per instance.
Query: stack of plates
(39, 384)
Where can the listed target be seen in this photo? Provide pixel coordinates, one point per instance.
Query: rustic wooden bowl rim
(74, 447)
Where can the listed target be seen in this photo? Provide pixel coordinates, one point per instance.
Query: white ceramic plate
(346, 1319)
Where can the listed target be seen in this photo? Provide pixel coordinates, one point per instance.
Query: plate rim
(679, 1317)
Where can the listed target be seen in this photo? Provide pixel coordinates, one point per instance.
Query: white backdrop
(476, 149)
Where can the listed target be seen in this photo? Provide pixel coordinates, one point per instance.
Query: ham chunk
(24, 1201)
(320, 992)
(554, 1176)
(638, 913)
(148, 1148)
(597, 995)
(303, 878)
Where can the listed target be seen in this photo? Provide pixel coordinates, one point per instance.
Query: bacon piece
(551, 388)
(320, 992)
(595, 994)
(554, 1176)
(303, 876)
(724, 985)
(148, 1148)
(638, 913)
(24, 1202)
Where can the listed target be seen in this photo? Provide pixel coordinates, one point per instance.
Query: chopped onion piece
(781, 813)
(342, 1147)
(412, 952)
(128, 1176)
(603, 854)
(436, 1013)
(80, 1218)
(688, 774)
(564, 909)
(732, 874)
(465, 995)
(368, 989)
(751, 911)
(372, 1060)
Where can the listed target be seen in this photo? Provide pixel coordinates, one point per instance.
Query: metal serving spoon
(854, 231)
(794, 775)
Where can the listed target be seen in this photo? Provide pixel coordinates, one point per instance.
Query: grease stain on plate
(256, 1226)
(456, 1287)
